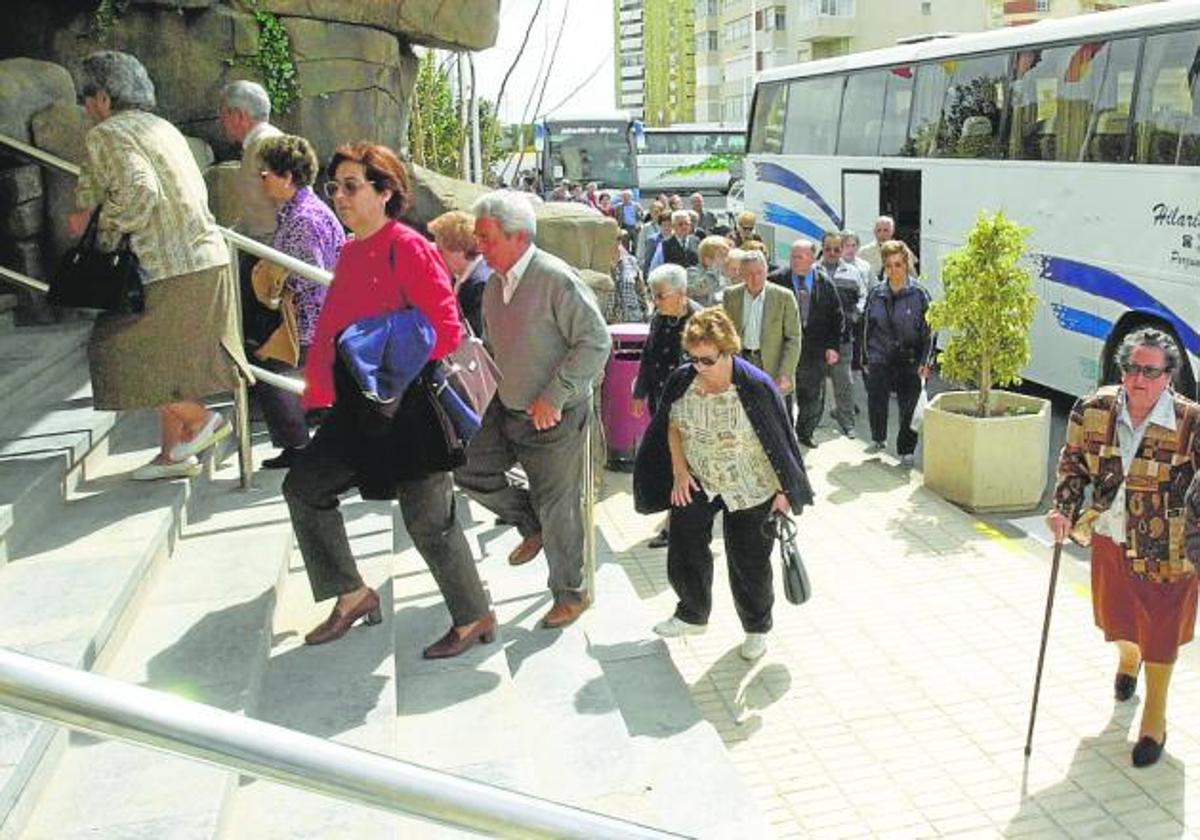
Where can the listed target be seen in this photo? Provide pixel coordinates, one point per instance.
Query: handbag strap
(88, 240)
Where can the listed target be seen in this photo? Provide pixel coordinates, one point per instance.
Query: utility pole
(464, 143)
(476, 150)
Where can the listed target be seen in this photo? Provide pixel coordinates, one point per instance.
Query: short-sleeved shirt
(721, 448)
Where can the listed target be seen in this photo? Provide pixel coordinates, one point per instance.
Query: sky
(586, 48)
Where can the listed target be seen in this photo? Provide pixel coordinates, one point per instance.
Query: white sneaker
(907, 460)
(153, 471)
(674, 627)
(754, 647)
(214, 430)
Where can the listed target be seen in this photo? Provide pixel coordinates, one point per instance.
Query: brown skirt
(1159, 617)
(185, 346)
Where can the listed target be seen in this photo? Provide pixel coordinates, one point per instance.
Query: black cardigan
(652, 475)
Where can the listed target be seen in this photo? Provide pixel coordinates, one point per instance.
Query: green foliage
(435, 130)
(104, 18)
(988, 307)
(274, 60)
(712, 163)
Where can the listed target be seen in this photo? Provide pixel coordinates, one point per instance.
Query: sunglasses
(349, 186)
(664, 295)
(1147, 371)
(704, 361)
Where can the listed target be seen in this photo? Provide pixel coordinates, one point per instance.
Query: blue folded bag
(385, 353)
(463, 417)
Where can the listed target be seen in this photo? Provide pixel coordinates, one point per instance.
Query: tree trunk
(985, 384)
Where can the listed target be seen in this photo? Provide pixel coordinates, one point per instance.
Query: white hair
(754, 256)
(121, 76)
(805, 243)
(512, 210)
(248, 97)
(670, 275)
(676, 215)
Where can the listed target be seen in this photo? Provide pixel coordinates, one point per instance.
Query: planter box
(987, 464)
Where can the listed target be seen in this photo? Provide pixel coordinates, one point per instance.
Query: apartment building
(655, 67)
(735, 39)
(1018, 12)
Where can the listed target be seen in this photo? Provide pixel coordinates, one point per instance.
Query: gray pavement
(895, 703)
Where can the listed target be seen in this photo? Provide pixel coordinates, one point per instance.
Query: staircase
(193, 587)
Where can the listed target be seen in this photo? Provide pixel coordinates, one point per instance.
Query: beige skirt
(185, 346)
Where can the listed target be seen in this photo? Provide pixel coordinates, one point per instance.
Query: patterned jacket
(1161, 493)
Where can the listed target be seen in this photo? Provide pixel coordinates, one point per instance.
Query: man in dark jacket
(821, 327)
(682, 247)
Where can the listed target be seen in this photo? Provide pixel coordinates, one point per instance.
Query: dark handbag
(796, 586)
(88, 278)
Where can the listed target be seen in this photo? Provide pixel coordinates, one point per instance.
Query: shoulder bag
(88, 278)
(796, 586)
(471, 371)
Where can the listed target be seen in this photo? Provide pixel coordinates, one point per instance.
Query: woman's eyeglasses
(664, 295)
(1147, 371)
(704, 361)
(349, 186)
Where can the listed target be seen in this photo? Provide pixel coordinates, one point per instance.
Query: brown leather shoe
(563, 613)
(482, 630)
(338, 623)
(526, 551)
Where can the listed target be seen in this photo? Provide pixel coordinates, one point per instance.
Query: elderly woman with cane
(1138, 446)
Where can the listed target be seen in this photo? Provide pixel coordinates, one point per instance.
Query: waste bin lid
(628, 331)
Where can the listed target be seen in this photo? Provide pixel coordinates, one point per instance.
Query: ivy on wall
(104, 18)
(274, 59)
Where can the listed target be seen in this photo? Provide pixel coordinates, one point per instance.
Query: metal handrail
(103, 706)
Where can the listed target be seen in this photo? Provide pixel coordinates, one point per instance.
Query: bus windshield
(585, 152)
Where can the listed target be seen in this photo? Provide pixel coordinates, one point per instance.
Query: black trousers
(810, 394)
(882, 381)
(747, 555)
(282, 409)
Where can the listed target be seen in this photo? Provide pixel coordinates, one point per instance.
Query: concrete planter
(987, 464)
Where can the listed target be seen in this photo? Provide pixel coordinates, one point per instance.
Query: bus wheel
(1184, 381)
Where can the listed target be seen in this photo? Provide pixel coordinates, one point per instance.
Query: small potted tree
(986, 449)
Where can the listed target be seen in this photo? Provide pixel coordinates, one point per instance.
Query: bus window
(897, 103)
(862, 114)
(1168, 110)
(972, 108)
(736, 144)
(766, 128)
(656, 144)
(929, 90)
(1069, 103)
(812, 119)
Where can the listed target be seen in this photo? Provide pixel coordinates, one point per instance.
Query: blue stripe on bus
(777, 214)
(773, 173)
(1079, 321)
(1105, 284)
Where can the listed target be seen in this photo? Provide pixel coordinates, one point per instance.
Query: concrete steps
(202, 631)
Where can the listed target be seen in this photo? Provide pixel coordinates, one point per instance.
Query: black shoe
(1148, 751)
(660, 540)
(808, 441)
(1124, 685)
(283, 460)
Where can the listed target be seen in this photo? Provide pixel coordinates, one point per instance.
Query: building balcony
(631, 30)
(631, 16)
(631, 45)
(633, 100)
(824, 28)
(633, 86)
(637, 72)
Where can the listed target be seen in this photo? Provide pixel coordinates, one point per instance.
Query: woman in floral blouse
(1138, 446)
(309, 231)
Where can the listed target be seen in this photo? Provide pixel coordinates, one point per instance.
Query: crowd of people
(733, 376)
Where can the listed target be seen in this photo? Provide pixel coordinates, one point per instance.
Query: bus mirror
(639, 136)
(539, 137)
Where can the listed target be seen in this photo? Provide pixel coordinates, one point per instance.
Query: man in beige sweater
(244, 114)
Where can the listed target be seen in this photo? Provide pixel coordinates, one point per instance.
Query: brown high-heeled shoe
(338, 623)
(482, 630)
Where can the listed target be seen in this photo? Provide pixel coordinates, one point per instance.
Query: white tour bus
(1086, 130)
(690, 158)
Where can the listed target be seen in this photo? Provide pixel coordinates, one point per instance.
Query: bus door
(860, 201)
(900, 198)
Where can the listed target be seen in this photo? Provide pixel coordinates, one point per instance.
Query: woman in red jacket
(385, 267)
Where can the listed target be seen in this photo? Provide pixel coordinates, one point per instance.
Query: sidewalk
(895, 703)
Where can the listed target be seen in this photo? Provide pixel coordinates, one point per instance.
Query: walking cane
(1037, 681)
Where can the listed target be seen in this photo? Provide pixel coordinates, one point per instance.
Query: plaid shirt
(141, 170)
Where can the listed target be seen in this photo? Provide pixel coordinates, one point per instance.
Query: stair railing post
(241, 392)
(589, 508)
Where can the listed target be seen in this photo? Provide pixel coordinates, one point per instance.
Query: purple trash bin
(622, 429)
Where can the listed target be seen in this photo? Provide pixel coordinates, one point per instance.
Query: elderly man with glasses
(1137, 445)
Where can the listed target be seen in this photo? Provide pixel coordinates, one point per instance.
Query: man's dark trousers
(810, 394)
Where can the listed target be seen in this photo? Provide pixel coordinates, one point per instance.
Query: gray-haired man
(550, 343)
